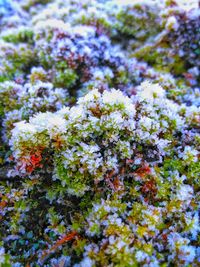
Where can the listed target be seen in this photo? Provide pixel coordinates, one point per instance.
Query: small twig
(60, 242)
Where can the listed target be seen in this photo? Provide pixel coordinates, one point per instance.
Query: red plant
(3, 204)
(164, 237)
(31, 162)
(149, 187)
(35, 159)
(143, 171)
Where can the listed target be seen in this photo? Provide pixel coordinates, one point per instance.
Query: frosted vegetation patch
(121, 146)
